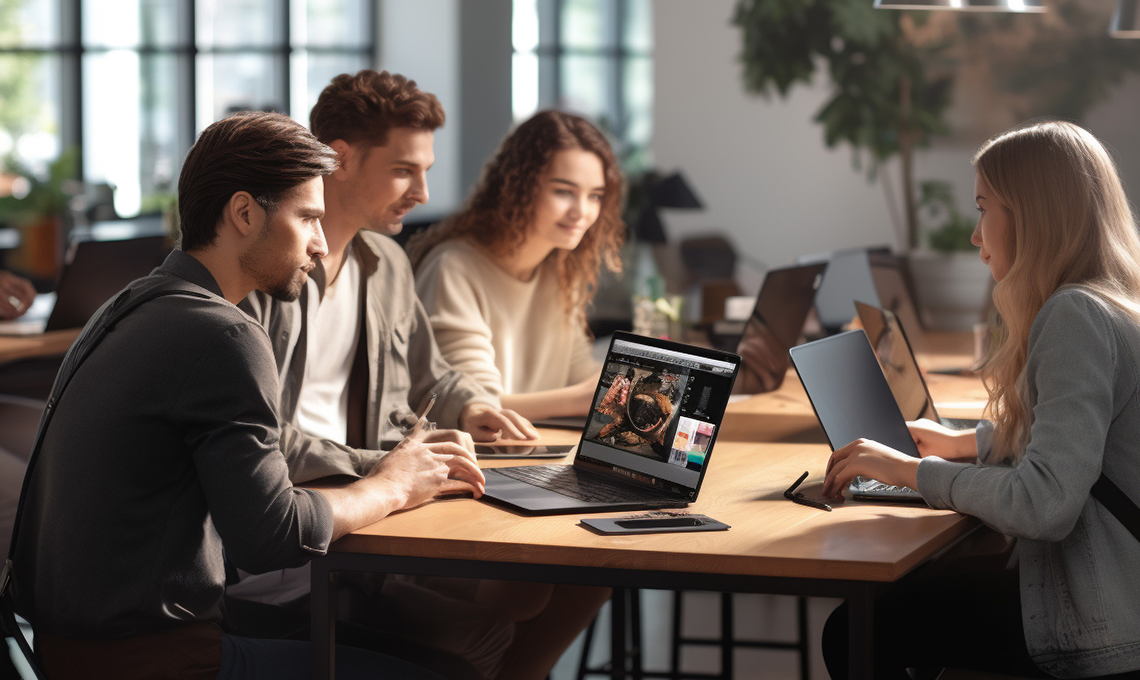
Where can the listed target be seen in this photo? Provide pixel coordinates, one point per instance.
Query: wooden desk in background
(13, 347)
(774, 546)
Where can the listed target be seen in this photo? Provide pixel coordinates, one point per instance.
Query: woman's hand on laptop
(866, 458)
(935, 439)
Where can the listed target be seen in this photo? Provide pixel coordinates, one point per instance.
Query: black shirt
(163, 447)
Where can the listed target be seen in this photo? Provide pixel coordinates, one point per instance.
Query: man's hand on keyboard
(867, 458)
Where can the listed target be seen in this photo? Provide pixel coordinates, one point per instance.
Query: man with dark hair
(356, 350)
(164, 442)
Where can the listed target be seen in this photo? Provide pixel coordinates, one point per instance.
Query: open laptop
(896, 357)
(776, 324)
(656, 414)
(848, 279)
(896, 292)
(852, 400)
(97, 271)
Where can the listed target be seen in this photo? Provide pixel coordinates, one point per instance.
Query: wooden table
(13, 347)
(774, 546)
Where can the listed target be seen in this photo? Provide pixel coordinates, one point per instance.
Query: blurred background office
(797, 128)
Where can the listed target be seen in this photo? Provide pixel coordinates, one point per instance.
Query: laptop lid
(848, 279)
(850, 396)
(656, 413)
(99, 270)
(775, 325)
(889, 340)
(896, 292)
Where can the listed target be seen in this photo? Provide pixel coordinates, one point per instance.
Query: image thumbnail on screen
(637, 411)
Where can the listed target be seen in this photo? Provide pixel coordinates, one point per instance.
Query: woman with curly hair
(506, 281)
(1060, 239)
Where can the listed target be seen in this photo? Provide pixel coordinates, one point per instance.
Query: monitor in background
(896, 293)
(893, 351)
(98, 270)
(775, 326)
(900, 367)
(848, 279)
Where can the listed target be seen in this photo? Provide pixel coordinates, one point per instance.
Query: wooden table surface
(765, 443)
(13, 347)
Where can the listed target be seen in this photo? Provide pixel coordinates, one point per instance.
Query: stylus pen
(797, 497)
(421, 417)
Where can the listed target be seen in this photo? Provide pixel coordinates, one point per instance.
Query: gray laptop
(848, 279)
(896, 357)
(648, 439)
(852, 400)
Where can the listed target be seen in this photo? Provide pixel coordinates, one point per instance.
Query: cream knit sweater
(510, 336)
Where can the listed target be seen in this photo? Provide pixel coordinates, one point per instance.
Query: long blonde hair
(1071, 226)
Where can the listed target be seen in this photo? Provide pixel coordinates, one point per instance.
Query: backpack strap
(124, 303)
(1118, 503)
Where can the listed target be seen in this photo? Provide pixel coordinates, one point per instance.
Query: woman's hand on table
(866, 458)
(934, 439)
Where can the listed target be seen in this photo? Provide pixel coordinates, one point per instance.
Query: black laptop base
(527, 499)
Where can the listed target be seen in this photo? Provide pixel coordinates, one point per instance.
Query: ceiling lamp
(969, 5)
(1125, 20)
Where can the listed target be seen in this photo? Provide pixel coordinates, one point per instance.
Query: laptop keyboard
(566, 480)
(865, 485)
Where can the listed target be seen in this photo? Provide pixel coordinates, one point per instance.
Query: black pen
(797, 497)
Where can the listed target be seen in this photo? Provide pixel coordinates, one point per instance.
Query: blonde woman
(506, 281)
(1056, 230)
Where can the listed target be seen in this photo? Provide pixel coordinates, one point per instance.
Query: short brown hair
(365, 106)
(266, 154)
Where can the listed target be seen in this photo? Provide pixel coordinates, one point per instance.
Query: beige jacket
(398, 364)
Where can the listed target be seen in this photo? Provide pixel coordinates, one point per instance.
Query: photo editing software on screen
(656, 412)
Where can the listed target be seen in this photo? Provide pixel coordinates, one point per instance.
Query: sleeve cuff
(316, 517)
(935, 479)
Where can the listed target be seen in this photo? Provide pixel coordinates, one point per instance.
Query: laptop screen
(656, 412)
(849, 393)
(775, 325)
(892, 349)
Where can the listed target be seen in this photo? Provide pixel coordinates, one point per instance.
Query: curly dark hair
(500, 212)
(365, 106)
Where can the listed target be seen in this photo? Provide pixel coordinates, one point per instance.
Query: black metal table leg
(860, 631)
(322, 653)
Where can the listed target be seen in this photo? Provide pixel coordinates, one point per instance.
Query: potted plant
(37, 206)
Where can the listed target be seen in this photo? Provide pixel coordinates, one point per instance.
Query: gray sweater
(163, 447)
(1080, 595)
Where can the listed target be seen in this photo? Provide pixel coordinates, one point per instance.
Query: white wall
(761, 166)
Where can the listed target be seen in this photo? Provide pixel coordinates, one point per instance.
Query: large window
(130, 83)
(593, 57)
